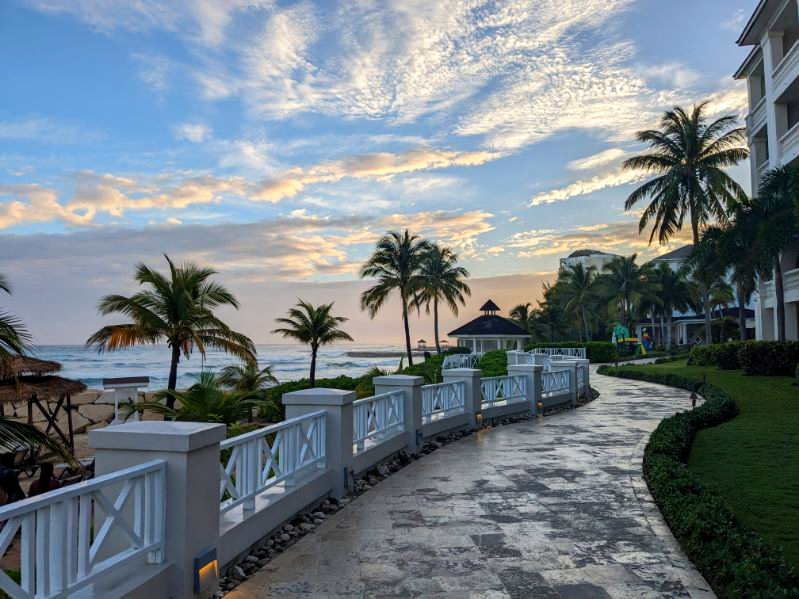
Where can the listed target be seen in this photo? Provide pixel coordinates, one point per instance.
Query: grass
(752, 460)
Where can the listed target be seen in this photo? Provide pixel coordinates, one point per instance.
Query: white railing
(516, 358)
(377, 418)
(790, 279)
(508, 389)
(555, 381)
(461, 360)
(442, 400)
(267, 456)
(758, 116)
(789, 140)
(580, 377)
(781, 74)
(571, 352)
(63, 541)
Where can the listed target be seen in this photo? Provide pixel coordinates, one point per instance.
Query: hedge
(494, 363)
(723, 355)
(769, 358)
(734, 559)
(596, 351)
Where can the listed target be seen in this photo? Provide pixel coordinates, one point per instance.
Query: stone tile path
(554, 508)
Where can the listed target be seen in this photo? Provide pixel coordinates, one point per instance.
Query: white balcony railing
(784, 72)
(789, 142)
(757, 117)
(503, 389)
(556, 381)
(377, 418)
(65, 545)
(461, 360)
(570, 352)
(267, 456)
(790, 279)
(442, 400)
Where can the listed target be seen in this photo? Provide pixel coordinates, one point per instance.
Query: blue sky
(277, 140)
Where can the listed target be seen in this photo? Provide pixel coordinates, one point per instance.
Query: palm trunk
(313, 366)
(435, 323)
(779, 292)
(407, 330)
(173, 374)
(668, 331)
(741, 312)
(585, 323)
(662, 329)
(654, 329)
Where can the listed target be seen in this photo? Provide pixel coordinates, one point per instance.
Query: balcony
(787, 71)
(762, 169)
(789, 144)
(757, 117)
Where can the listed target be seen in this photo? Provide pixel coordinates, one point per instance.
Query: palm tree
(578, 289)
(178, 309)
(205, 401)
(14, 337)
(251, 382)
(689, 158)
(314, 326)
(628, 285)
(396, 263)
(442, 281)
(673, 293)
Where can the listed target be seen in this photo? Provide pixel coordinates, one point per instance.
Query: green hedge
(769, 358)
(494, 363)
(724, 355)
(595, 351)
(735, 560)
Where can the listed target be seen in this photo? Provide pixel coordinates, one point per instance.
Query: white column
(337, 405)
(191, 509)
(473, 400)
(411, 386)
(776, 115)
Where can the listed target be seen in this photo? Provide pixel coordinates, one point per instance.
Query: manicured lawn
(753, 460)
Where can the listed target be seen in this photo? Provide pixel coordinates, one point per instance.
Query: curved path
(552, 508)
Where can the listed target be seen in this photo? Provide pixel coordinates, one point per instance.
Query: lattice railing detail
(442, 400)
(556, 381)
(508, 389)
(376, 418)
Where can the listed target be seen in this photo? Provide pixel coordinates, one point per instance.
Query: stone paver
(553, 508)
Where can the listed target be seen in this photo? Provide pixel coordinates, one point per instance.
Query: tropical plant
(627, 285)
(178, 309)
(314, 326)
(578, 289)
(251, 382)
(14, 337)
(441, 281)
(206, 400)
(689, 156)
(673, 293)
(396, 264)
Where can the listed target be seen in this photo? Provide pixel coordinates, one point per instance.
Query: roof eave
(748, 64)
(744, 39)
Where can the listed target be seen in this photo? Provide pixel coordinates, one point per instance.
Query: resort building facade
(771, 71)
(588, 258)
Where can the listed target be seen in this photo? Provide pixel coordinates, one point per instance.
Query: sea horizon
(288, 361)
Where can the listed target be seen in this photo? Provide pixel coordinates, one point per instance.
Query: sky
(276, 141)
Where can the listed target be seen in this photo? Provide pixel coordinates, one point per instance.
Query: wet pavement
(552, 508)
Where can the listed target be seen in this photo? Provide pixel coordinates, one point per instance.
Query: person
(9, 479)
(45, 482)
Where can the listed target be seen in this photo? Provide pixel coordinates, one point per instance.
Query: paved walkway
(555, 508)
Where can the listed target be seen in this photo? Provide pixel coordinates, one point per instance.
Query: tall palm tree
(250, 382)
(14, 337)
(628, 285)
(442, 281)
(396, 264)
(673, 293)
(578, 289)
(178, 309)
(314, 326)
(689, 156)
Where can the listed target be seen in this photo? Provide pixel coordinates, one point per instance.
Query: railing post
(411, 387)
(472, 400)
(533, 374)
(191, 510)
(337, 405)
(572, 366)
(584, 364)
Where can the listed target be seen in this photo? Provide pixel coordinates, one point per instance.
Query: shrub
(494, 363)
(458, 349)
(735, 560)
(723, 355)
(595, 351)
(769, 358)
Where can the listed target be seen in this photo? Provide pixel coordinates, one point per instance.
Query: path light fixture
(540, 409)
(206, 570)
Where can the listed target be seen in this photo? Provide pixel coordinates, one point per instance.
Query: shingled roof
(681, 253)
(490, 325)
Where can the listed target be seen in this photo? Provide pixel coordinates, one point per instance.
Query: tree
(689, 157)
(178, 309)
(578, 289)
(14, 337)
(251, 382)
(396, 264)
(673, 294)
(627, 285)
(314, 326)
(442, 281)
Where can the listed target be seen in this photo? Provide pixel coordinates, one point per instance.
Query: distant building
(771, 71)
(490, 331)
(588, 258)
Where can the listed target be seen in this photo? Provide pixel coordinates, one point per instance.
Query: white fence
(570, 352)
(461, 361)
(556, 381)
(267, 456)
(507, 389)
(73, 537)
(377, 418)
(442, 400)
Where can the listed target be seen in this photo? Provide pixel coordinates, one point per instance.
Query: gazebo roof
(42, 386)
(490, 325)
(489, 306)
(25, 365)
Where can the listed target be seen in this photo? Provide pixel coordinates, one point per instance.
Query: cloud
(42, 129)
(193, 132)
(459, 229)
(736, 21)
(602, 158)
(612, 178)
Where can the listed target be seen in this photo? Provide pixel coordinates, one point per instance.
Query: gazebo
(490, 331)
(30, 380)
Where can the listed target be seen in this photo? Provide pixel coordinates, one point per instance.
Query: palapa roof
(490, 325)
(42, 386)
(25, 365)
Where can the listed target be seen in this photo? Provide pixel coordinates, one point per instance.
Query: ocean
(289, 362)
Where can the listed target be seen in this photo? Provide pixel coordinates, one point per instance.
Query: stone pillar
(572, 366)
(337, 405)
(473, 399)
(533, 373)
(191, 509)
(411, 386)
(584, 364)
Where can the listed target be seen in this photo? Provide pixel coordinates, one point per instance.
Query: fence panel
(442, 400)
(377, 418)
